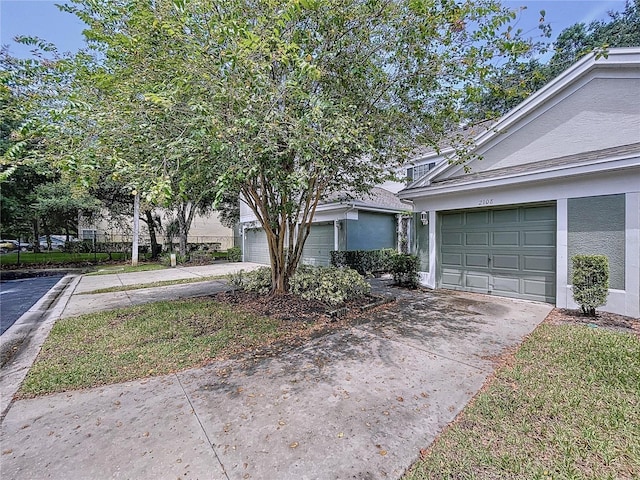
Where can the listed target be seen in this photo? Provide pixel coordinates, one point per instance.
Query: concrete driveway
(359, 403)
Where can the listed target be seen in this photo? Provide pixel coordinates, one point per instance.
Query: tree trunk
(182, 233)
(36, 235)
(151, 225)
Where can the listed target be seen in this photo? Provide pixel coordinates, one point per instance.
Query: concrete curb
(22, 342)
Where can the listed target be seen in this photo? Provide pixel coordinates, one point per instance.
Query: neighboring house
(340, 223)
(557, 176)
(205, 230)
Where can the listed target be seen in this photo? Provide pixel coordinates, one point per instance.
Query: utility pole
(136, 230)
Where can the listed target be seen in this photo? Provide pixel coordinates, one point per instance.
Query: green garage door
(255, 246)
(319, 244)
(509, 252)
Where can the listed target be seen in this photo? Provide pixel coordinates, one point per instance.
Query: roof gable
(592, 107)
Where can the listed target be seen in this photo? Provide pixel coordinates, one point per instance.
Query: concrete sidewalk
(83, 301)
(357, 403)
(71, 297)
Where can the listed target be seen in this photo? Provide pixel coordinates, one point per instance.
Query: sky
(43, 19)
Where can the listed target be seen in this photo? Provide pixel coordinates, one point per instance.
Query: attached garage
(255, 246)
(320, 242)
(509, 251)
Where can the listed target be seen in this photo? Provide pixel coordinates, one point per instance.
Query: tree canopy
(281, 102)
(517, 80)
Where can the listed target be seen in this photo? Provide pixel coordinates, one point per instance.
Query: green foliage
(517, 80)
(365, 262)
(405, 269)
(283, 102)
(621, 30)
(258, 281)
(330, 285)
(590, 280)
(234, 254)
(165, 259)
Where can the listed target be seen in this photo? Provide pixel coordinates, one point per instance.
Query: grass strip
(567, 407)
(56, 258)
(161, 283)
(143, 267)
(146, 340)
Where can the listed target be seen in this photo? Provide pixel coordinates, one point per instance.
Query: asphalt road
(18, 296)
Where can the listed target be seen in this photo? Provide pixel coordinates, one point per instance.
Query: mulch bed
(290, 307)
(606, 320)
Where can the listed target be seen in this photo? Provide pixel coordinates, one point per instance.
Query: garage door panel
(539, 239)
(540, 286)
(451, 278)
(539, 263)
(509, 262)
(452, 238)
(477, 218)
(513, 254)
(476, 260)
(506, 239)
(453, 219)
(477, 280)
(453, 259)
(505, 216)
(506, 285)
(477, 238)
(542, 213)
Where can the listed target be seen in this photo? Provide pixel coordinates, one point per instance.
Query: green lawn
(568, 407)
(128, 268)
(141, 341)
(56, 258)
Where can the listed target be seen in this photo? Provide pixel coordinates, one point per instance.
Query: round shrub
(330, 285)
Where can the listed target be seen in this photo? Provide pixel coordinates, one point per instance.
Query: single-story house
(342, 223)
(558, 175)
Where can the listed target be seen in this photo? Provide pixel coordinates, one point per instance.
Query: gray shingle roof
(376, 198)
(579, 158)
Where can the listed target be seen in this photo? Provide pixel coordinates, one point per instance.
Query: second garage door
(320, 242)
(508, 252)
(255, 246)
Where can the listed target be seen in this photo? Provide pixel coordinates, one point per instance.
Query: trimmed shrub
(365, 262)
(234, 254)
(258, 281)
(404, 268)
(590, 279)
(330, 285)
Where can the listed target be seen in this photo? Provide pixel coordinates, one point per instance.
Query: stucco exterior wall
(421, 239)
(371, 231)
(596, 226)
(605, 112)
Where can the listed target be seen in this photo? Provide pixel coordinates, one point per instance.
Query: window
(413, 173)
(88, 234)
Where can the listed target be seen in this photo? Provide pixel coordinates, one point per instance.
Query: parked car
(14, 245)
(8, 246)
(58, 242)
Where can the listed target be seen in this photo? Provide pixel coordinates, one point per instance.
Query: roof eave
(525, 177)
